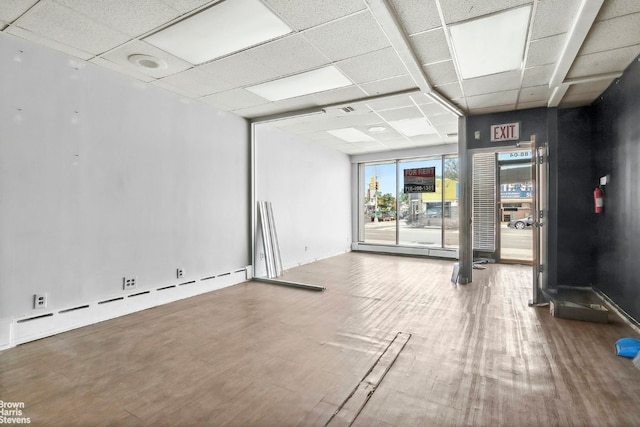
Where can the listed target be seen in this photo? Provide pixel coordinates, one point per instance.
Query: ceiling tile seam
(21, 15)
(576, 37)
(283, 76)
(386, 12)
(74, 11)
(389, 124)
(427, 118)
(608, 50)
(616, 17)
(454, 58)
(527, 45)
(324, 24)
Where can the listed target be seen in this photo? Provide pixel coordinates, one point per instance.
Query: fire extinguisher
(598, 200)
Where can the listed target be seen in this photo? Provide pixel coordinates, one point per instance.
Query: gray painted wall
(310, 190)
(615, 120)
(575, 254)
(102, 177)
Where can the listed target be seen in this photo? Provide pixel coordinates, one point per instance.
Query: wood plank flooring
(263, 355)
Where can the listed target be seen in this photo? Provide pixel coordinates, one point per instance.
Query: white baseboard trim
(46, 323)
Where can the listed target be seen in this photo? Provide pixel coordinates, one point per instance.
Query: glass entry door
(514, 210)
(540, 168)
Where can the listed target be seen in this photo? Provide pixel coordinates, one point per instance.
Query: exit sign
(505, 132)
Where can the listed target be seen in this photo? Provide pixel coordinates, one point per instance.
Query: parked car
(521, 223)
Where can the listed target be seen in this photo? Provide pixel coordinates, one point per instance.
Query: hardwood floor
(265, 355)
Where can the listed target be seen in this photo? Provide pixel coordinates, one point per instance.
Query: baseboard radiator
(20, 330)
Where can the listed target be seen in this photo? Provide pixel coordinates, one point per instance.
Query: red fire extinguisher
(598, 200)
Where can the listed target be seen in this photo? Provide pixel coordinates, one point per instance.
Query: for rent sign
(420, 180)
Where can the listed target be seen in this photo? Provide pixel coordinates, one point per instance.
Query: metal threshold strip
(356, 401)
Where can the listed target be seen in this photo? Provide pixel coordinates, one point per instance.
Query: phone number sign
(420, 180)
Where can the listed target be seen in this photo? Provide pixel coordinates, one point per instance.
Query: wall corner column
(465, 240)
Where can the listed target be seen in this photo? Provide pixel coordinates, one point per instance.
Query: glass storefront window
(379, 215)
(392, 217)
(421, 223)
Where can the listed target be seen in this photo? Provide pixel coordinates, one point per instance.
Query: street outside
(516, 244)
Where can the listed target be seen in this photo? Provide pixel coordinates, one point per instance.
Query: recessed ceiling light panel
(314, 81)
(350, 135)
(493, 44)
(226, 27)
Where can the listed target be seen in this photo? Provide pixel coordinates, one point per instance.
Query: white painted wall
(102, 176)
(310, 189)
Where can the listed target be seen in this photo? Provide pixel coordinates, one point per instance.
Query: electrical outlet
(180, 273)
(39, 300)
(128, 283)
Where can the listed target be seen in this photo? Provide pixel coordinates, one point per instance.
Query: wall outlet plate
(179, 273)
(129, 283)
(39, 300)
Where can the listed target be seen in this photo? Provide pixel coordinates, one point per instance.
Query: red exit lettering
(505, 132)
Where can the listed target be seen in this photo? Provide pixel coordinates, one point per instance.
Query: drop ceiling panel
(545, 51)
(11, 9)
(259, 111)
(456, 11)
(614, 8)
(239, 70)
(578, 99)
(446, 128)
(603, 62)
(289, 55)
(613, 33)
(53, 21)
(493, 99)
(431, 46)
(44, 41)
(441, 73)
(422, 98)
(596, 87)
(492, 83)
(401, 113)
(535, 93)
(129, 17)
(496, 109)
(194, 82)
(390, 103)
(443, 119)
(122, 69)
(184, 6)
(432, 109)
(351, 36)
(394, 84)
(370, 119)
(121, 54)
(234, 99)
(531, 104)
(335, 96)
(301, 17)
(378, 65)
(417, 16)
(536, 76)
(450, 90)
(548, 22)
